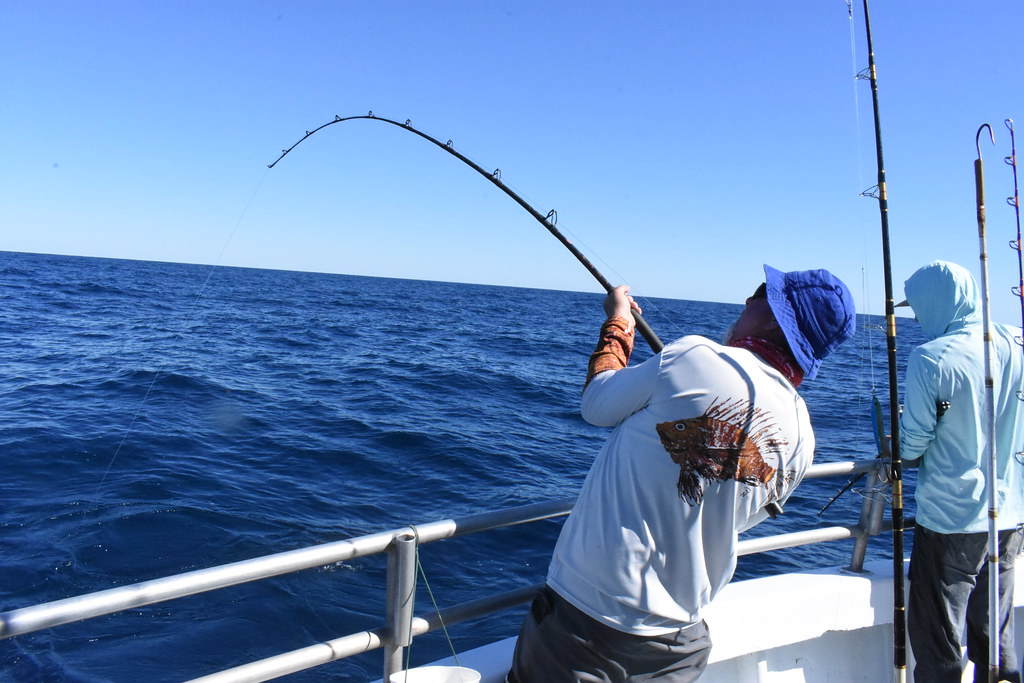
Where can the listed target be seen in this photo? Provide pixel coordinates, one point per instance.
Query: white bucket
(436, 674)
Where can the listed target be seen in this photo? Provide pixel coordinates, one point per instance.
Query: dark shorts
(559, 643)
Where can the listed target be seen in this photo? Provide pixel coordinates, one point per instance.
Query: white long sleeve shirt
(705, 436)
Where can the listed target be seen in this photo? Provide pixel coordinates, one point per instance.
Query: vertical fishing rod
(990, 422)
(547, 221)
(899, 618)
(1014, 201)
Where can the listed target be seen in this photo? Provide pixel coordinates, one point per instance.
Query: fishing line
(180, 333)
(861, 75)
(867, 327)
(871, 492)
(433, 601)
(856, 93)
(648, 304)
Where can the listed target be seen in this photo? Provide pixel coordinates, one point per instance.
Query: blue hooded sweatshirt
(953, 449)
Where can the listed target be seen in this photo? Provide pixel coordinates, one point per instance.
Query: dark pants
(560, 644)
(948, 587)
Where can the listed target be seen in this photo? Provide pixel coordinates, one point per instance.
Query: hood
(944, 297)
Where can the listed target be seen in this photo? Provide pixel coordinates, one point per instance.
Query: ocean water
(160, 418)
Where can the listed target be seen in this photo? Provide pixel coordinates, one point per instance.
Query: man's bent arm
(613, 391)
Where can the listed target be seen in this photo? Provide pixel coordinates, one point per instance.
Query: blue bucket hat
(815, 311)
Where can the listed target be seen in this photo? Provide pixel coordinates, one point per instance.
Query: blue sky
(683, 144)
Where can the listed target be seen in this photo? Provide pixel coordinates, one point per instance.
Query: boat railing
(400, 545)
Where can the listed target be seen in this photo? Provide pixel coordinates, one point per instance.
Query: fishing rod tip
(977, 138)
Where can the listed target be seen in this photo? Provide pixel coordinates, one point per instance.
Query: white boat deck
(806, 627)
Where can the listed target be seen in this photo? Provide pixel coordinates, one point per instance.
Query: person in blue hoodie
(942, 430)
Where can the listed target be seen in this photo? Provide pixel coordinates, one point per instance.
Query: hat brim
(786, 317)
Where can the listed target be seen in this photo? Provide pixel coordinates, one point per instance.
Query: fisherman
(710, 439)
(943, 429)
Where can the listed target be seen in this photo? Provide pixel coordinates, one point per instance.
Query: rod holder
(401, 594)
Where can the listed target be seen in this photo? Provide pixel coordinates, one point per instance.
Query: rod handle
(644, 329)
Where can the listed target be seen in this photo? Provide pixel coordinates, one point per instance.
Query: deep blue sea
(159, 418)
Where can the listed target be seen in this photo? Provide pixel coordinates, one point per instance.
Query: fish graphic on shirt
(730, 441)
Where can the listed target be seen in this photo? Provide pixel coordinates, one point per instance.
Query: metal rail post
(871, 513)
(401, 596)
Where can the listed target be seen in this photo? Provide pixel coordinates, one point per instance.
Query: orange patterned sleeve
(613, 347)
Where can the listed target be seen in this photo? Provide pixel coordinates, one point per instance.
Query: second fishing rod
(896, 463)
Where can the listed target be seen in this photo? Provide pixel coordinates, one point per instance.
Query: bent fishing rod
(547, 221)
(899, 619)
